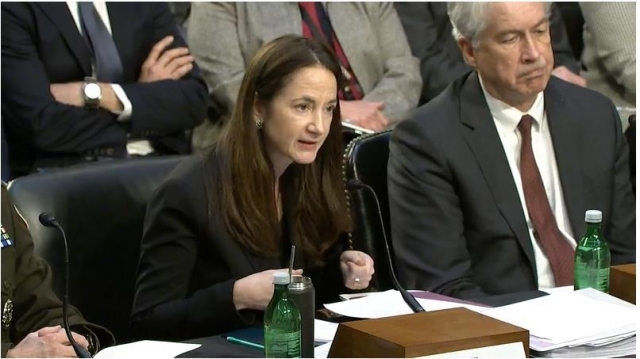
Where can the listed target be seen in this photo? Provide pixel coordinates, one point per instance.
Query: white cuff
(125, 115)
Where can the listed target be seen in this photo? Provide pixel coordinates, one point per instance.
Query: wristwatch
(92, 93)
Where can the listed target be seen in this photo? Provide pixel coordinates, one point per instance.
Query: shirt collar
(509, 117)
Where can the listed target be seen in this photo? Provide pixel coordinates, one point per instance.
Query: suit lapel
(482, 137)
(567, 145)
(60, 16)
(122, 17)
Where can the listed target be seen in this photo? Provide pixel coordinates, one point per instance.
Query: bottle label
(282, 345)
(589, 277)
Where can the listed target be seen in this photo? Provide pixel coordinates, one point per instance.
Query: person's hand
(364, 114)
(255, 291)
(564, 73)
(69, 93)
(357, 269)
(48, 342)
(163, 65)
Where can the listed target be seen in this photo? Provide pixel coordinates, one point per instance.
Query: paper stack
(389, 304)
(574, 324)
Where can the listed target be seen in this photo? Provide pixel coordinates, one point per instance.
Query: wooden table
(623, 282)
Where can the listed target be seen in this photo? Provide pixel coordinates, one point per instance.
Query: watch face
(92, 91)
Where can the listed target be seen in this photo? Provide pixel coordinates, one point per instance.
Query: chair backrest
(365, 159)
(630, 133)
(101, 206)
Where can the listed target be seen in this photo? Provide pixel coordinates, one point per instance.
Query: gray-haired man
(489, 181)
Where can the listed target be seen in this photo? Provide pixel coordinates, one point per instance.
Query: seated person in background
(4, 156)
(225, 219)
(180, 11)
(473, 212)
(428, 30)
(88, 81)
(383, 80)
(31, 312)
(610, 50)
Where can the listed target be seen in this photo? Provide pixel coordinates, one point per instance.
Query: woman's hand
(357, 269)
(255, 291)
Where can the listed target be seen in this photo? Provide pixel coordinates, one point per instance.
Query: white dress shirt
(139, 147)
(507, 119)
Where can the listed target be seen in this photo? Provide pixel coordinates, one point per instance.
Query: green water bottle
(282, 330)
(593, 259)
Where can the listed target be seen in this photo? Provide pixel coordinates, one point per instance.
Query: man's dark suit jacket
(456, 218)
(41, 45)
(26, 281)
(189, 264)
(428, 30)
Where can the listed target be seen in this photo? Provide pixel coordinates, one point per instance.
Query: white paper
(147, 349)
(324, 331)
(566, 317)
(558, 290)
(322, 351)
(353, 295)
(389, 304)
(604, 297)
(510, 350)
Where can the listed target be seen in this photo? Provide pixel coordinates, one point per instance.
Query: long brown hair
(242, 174)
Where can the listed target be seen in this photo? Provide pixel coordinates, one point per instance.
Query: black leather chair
(630, 133)
(365, 159)
(101, 206)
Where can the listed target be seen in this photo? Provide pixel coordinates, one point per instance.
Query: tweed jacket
(610, 50)
(223, 37)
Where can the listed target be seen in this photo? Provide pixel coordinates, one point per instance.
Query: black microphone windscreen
(47, 219)
(354, 184)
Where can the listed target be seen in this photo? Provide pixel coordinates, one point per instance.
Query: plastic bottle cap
(593, 216)
(280, 278)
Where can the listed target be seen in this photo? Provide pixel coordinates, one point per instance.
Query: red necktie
(316, 24)
(546, 232)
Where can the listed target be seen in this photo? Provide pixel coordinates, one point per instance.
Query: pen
(245, 343)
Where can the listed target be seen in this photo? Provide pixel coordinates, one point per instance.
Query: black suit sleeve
(621, 231)
(168, 105)
(562, 52)
(327, 279)
(423, 199)
(163, 308)
(35, 115)
(426, 30)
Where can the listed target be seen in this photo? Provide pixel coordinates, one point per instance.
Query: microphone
(354, 184)
(48, 220)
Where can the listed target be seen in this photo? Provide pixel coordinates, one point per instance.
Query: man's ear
(468, 52)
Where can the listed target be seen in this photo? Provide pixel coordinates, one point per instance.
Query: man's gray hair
(469, 19)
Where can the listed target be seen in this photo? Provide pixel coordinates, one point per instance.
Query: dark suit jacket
(456, 218)
(26, 281)
(428, 30)
(41, 45)
(189, 265)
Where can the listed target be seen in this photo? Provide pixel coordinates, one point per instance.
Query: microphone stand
(411, 301)
(49, 221)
